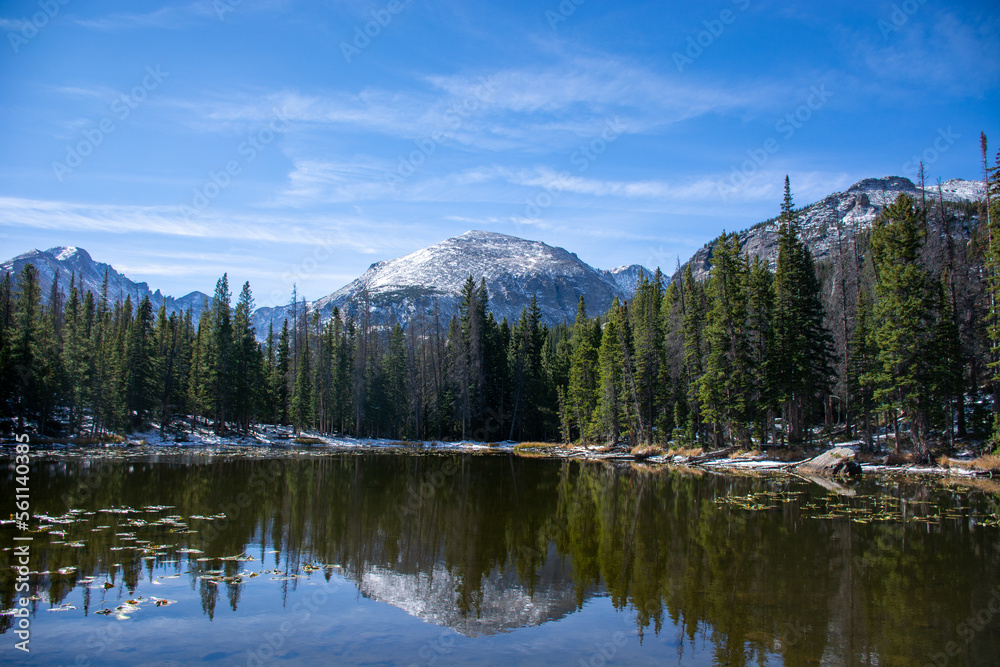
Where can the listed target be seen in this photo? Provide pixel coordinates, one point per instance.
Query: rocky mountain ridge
(63, 262)
(851, 211)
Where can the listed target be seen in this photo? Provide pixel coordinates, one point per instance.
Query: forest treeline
(896, 333)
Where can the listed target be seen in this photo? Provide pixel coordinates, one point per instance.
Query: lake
(324, 558)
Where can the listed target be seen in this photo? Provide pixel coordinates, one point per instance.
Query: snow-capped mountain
(514, 270)
(852, 211)
(65, 262)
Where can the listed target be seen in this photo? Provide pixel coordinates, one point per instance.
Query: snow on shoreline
(282, 439)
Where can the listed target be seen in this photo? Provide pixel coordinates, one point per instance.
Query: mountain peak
(67, 253)
(514, 269)
(891, 183)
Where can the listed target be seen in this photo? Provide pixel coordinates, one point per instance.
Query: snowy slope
(849, 212)
(514, 269)
(63, 261)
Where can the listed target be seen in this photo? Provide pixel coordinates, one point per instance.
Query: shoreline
(270, 440)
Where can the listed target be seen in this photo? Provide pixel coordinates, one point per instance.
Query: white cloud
(532, 109)
(357, 234)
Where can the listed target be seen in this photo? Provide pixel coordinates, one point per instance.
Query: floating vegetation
(862, 509)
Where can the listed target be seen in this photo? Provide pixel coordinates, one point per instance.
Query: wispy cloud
(526, 108)
(173, 17)
(170, 17)
(348, 232)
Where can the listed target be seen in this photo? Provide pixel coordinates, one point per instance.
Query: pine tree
(139, 367)
(581, 393)
(647, 337)
(760, 334)
(608, 418)
(529, 381)
(991, 176)
(302, 404)
(283, 378)
(74, 355)
(946, 358)
(863, 362)
(246, 364)
(804, 344)
(693, 307)
(221, 354)
(24, 345)
(903, 329)
(725, 388)
(7, 382)
(395, 382)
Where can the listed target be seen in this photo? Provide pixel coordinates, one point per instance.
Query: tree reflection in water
(487, 544)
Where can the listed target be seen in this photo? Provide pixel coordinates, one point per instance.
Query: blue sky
(287, 141)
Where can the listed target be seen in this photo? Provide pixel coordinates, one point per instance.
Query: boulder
(837, 461)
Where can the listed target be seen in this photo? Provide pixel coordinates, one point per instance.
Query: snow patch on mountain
(514, 269)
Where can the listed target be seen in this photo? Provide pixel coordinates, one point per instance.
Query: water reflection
(764, 568)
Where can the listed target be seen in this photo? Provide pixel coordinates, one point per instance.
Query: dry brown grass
(307, 440)
(535, 449)
(987, 462)
(789, 454)
(687, 451)
(744, 453)
(645, 451)
(85, 441)
(892, 458)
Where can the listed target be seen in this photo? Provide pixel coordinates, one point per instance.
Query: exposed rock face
(65, 262)
(849, 212)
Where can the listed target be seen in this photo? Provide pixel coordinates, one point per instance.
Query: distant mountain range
(64, 262)
(514, 269)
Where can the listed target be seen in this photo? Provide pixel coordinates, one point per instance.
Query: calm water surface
(379, 559)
